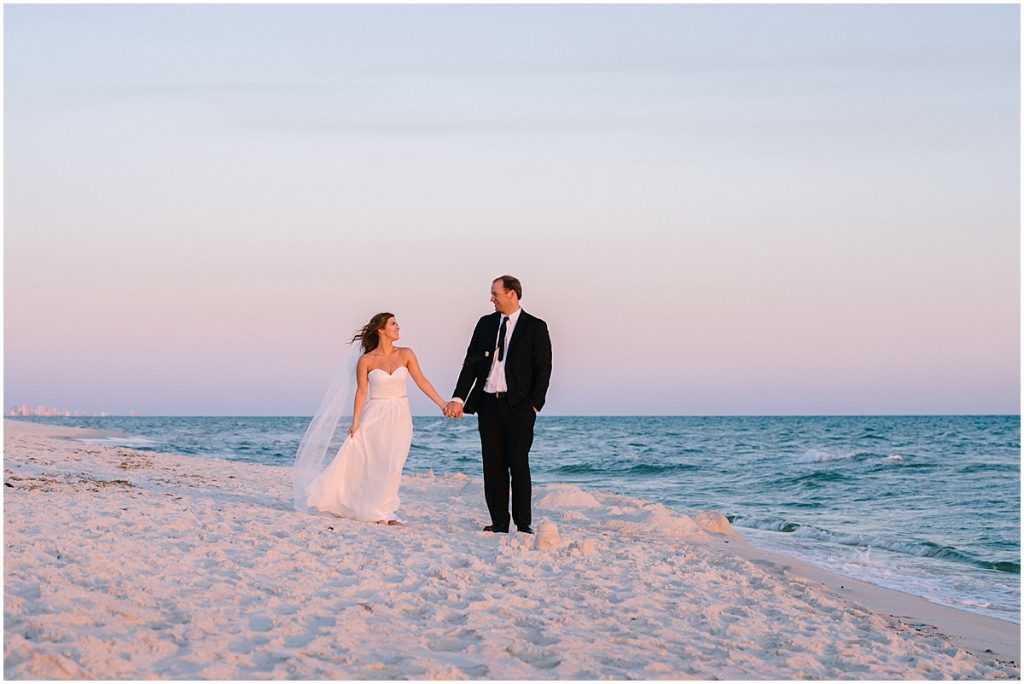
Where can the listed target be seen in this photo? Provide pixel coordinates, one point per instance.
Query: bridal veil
(327, 431)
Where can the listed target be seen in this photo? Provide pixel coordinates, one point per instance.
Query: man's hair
(511, 283)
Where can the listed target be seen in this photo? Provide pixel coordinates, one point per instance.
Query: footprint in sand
(321, 623)
(457, 619)
(539, 638)
(261, 623)
(543, 659)
(245, 646)
(300, 640)
(458, 642)
(474, 671)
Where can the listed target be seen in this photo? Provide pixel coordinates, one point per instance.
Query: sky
(719, 210)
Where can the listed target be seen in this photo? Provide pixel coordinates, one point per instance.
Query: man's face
(503, 300)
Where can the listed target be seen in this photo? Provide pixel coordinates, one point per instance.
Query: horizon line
(586, 415)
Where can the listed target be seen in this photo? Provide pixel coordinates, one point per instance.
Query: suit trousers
(505, 440)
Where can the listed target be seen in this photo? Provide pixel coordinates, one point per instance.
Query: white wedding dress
(361, 483)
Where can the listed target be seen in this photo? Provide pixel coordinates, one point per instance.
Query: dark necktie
(501, 339)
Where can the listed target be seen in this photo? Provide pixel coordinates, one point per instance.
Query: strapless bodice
(384, 385)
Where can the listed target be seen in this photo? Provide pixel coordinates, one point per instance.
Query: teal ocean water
(929, 505)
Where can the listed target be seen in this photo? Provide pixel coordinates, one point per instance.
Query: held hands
(453, 410)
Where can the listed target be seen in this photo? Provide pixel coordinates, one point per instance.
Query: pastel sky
(745, 209)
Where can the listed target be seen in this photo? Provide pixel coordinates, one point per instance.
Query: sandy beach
(129, 565)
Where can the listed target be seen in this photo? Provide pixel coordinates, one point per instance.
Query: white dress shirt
(496, 376)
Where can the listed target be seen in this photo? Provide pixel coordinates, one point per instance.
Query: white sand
(123, 564)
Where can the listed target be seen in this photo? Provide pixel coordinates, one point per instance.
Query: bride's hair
(369, 336)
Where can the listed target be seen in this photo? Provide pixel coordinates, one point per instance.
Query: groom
(504, 379)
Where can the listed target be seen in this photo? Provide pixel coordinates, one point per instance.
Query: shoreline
(971, 631)
(884, 574)
(598, 533)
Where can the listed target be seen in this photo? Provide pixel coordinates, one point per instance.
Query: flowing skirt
(361, 483)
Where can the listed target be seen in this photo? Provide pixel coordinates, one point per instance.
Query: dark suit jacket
(527, 363)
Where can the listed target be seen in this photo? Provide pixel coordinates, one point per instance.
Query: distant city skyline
(52, 411)
(718, 209)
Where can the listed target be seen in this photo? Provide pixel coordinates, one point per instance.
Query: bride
(361, 483)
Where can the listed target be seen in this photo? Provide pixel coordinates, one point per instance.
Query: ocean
(929, 505)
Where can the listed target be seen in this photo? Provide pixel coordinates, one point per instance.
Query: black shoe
(525, 529)
(492, 528)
